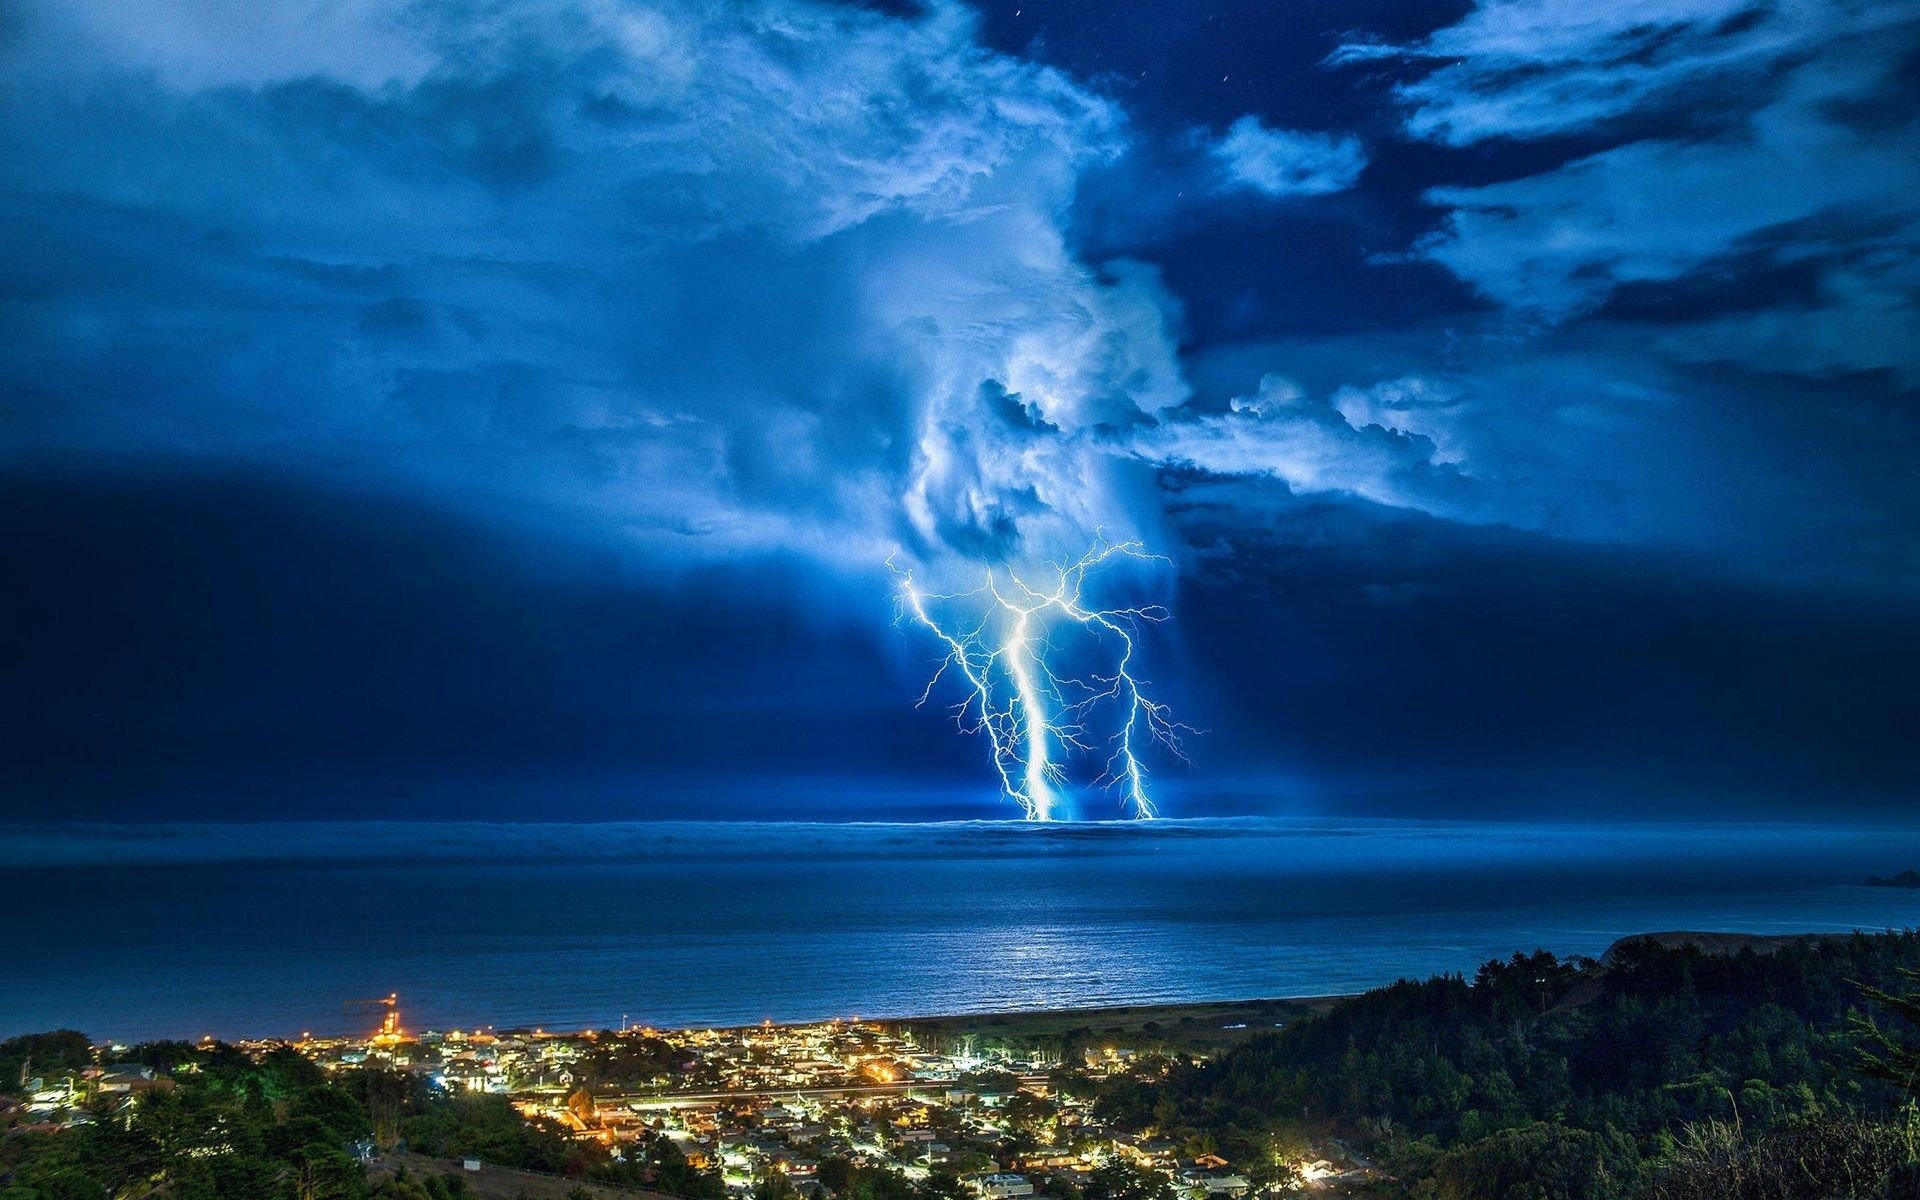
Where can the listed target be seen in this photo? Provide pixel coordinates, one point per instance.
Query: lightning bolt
(1001, 642)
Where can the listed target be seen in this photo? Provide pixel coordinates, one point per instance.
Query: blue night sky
(447, 408)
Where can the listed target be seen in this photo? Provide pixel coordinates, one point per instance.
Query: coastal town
(778, 1111)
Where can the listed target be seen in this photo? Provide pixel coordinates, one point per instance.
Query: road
(652, 1102)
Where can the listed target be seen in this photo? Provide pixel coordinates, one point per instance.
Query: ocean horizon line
(61, 844)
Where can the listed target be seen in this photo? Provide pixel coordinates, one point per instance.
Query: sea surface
(265, 930)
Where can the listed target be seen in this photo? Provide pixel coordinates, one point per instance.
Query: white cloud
(1863, 317)
(1281, 432)
(1653, 211)
(1411, 404)
(1531, 68)
(1807, 170)
(246, 43)
(1282, 162)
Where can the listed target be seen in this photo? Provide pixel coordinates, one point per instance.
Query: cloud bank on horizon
(829, 283)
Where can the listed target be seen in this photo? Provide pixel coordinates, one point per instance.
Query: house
(467, 1074)
(1200, 1182)
(1148, 1152)
(122, 1079)
(1003, 1186)
(1045, 1160)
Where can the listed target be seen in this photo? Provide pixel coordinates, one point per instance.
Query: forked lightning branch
(1049, 678)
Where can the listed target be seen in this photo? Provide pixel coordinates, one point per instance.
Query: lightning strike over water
(1006, 641)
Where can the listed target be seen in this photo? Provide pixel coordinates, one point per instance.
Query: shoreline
(1189, 1024)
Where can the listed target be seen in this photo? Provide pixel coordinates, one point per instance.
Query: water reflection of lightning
(1002, 647)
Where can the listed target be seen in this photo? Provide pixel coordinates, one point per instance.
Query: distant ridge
(1905, 879)
(1722, 943)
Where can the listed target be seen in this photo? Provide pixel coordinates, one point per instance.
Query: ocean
(134, 932)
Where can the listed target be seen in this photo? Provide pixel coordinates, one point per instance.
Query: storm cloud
(707, 280)
(402, 374)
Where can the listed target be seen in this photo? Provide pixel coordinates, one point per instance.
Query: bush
(1835, 1159)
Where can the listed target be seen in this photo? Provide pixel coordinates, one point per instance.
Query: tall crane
(389, 1024)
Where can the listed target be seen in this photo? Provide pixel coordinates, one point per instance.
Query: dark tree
(1892, 1055)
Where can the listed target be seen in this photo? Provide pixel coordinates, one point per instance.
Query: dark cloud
(1445, 668)
(221, 643)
